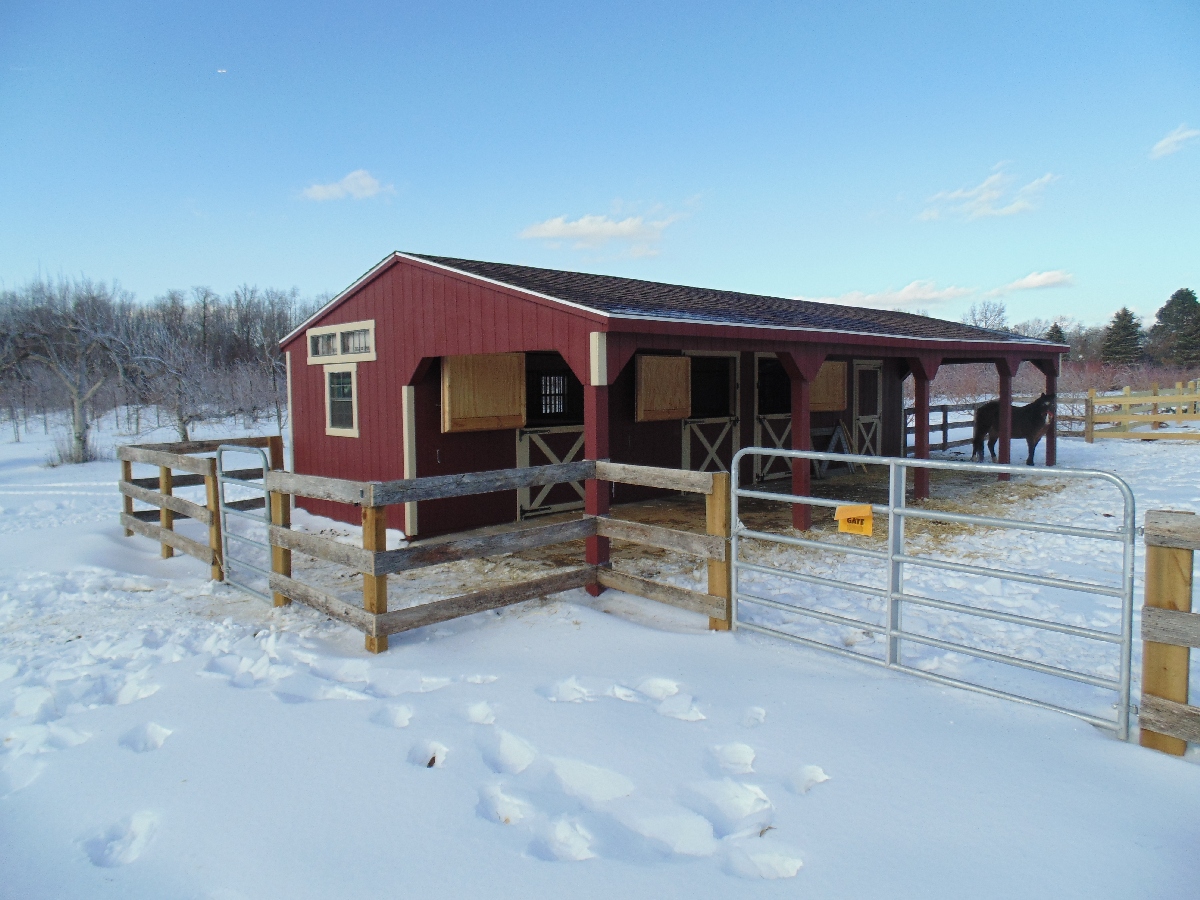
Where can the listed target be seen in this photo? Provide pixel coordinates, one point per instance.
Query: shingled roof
(633, 298)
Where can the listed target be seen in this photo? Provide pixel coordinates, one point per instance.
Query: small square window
(358, 341)
(323, 345)
(341, 399)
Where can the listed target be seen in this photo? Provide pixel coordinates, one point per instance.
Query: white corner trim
(599, 358)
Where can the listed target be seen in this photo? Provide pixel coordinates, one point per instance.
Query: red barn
(435, 366)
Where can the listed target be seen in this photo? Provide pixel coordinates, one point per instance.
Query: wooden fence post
(1154, 425)
(1165, 666)
(1126, 407)
(166, 518)
(281, 516)
(374, 529)
(212, 496)
(126, 500)
(716, 514)
(1089, 413)
(1178, 403)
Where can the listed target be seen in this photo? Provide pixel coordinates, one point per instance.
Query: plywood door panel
(663, 388)
(483, 392)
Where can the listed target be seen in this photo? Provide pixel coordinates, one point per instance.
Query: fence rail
(374, 562)
(1156, 408)
(1169, 630)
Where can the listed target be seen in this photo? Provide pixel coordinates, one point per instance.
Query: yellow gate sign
(855, 518)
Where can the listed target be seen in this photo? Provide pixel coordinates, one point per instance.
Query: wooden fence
(374, 562)
(159, 492)
(1155, 408)
(1169, 630)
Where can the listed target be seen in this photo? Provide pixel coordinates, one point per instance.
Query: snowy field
(166, 737)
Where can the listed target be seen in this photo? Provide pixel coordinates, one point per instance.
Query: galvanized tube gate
(895, 597)
(236, 568)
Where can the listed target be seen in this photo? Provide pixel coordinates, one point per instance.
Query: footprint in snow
(667, 828)
(592, 785)
(497, 806)
(505, 753)
(731, 806)
(123, 842)
(757, 857)
(736, 759)
(658, 688)
(428, 754)
(18, 773)
(754, 716)
(568, 691)
(145, 737)
(481, 713)
(393, 716)
(566, 840)
(806, 778)
(680, 706)
(480, 679)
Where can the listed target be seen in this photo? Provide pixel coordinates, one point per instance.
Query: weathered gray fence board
(704, 545)
(1170, 626)
(326, 603)
(437, 487)
(347, 555)
(653, 476)
(1177, 720)
(443, 610)
(170, 538)
(663, 593)
(319, 488)
(1168, 528)
(175, 504)
(199, 465)
(453, 548)
(195, 480)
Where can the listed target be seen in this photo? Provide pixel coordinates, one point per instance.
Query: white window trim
(328, 370)
(366, 325)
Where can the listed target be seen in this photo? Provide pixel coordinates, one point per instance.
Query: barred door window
(554, 395)
(341, 399)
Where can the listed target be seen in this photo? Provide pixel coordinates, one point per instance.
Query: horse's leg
(993, 436)
(1032, 440)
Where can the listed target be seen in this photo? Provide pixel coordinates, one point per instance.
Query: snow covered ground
(167, 737)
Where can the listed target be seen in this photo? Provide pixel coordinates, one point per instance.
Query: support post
(1178, 404)
(802, 368)
(1155, 425)
(1089, 417)
(166, 518)
(374, 530)
(212, 497)
(945, 428)
(924, 369)
(281, 515)
(1052, 421)
(717, 522)
(597, 494)
(1165, 666)
(127, 501)
(1006, 371)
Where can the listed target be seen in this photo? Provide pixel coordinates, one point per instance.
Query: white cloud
(590, 232)
(1174, 142)
(1035, 281)
(915, 295)
(991, 197)
(359, 184)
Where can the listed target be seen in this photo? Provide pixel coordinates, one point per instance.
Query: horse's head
(1045, 401)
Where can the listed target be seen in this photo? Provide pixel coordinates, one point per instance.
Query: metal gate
(547, 443)
(238, 567)
(881, 616)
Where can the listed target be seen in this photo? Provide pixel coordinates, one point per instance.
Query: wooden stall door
(868, 406)
(710, 435)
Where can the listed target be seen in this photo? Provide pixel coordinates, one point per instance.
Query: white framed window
(344, 342)
(341, 399)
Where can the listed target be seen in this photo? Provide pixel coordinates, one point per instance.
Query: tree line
(85, 347)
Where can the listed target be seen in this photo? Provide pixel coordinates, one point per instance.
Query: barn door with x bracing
(710, 436)
(772, 417)
(868, 406)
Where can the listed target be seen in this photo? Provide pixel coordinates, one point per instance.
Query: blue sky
(912, 155)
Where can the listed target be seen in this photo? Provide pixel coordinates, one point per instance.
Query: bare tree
(987, 314)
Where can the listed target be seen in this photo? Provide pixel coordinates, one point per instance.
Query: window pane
(554, 394)
(323, 345)
(341, 399)
(356, 341)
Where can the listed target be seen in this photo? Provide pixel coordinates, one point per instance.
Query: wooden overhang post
(717, 522)
(281, 516)
(1006, 370)
(1049, 368)
(1168, 587)
(595, 443)
(374, 531)
(802, 367)
(924, 369)
(212, 498)
(166, 518)
(126, 500)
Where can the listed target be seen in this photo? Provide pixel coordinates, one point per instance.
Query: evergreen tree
(1055, 334)
(1122, 338)
(1176, 331)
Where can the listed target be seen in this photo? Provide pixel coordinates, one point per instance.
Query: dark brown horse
(1028, 422)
